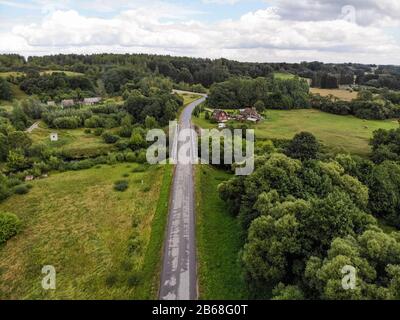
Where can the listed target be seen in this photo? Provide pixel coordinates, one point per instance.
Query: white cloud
(367, 12)
(263, 35)
(221, 1)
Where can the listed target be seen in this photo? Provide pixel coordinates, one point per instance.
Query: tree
(16, 160)
(287, 233)
(376, 259)
(260, 106)
(5, 90)
(304, 146)
(137, 141)
(384, 192)
(150, 123)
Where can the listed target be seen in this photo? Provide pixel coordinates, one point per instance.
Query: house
(249, 114)
(54, 137)
(91, 101)
(29, 178)
(220, 116)
(67, 103)
(51, 103)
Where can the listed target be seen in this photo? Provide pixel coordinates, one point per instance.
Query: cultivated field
(338, 93)
(104, 244)
(341, 133)
(218, 240)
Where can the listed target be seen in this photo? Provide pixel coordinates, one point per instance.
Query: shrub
(4, 192)
(134, 279)
(109, 138)
(13, 182)
(9, 226)
(98, 132)
(121, 185)
(21, 189)
(111, 280)
(130, 157)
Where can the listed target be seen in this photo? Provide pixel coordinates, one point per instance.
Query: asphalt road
(179, 271)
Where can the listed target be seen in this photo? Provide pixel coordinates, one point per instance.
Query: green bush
(9, 226)
(98, 132)
(134, 279)
(21, 189)
(111, 280)
(121, 185)
(109, 138)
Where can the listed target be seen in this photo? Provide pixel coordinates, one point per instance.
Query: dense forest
(304, 217)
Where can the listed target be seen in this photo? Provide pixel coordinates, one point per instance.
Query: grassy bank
(218, 242)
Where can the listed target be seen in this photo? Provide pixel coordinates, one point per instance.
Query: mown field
(218, 241)
(75, 142)
(104, 244)
(338, 93)
(346, 134)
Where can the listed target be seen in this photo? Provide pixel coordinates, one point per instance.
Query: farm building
(249, 114)
(91, 101)
(51, 103)
(220, 116)
(67, 103)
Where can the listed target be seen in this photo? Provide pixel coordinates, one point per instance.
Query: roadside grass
(77, 223)
(342, 134)
(218, 241)
(338, 93)
(153, 259)
(75, 142)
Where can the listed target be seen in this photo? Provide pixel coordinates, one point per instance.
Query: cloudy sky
(366, 31)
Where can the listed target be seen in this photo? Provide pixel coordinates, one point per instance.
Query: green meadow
(346, 134)
(103, 244)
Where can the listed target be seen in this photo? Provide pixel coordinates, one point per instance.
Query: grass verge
(218, 243)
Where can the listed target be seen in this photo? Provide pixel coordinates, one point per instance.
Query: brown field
(338, 93)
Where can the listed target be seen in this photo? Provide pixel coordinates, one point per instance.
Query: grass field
(75, 143)
(340, 133)
(68, 73)
(11, 74)
(284, 76)
(76, 222)
(338, 93)
(218, 242)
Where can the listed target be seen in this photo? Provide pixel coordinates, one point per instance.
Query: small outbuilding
(54, 137)
(67, 103)
(91, 101)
